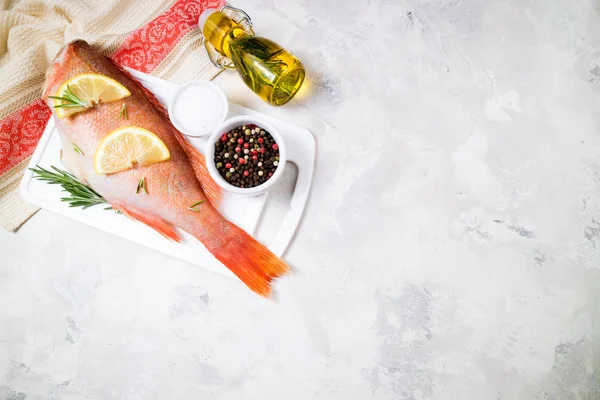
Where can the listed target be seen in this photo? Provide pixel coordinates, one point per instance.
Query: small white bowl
(230, 124)
(202, 94)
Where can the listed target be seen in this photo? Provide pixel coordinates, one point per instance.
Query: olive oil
(268, 69)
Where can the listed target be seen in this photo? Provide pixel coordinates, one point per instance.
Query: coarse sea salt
(198, 108)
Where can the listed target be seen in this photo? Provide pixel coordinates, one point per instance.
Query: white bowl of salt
(197, 108)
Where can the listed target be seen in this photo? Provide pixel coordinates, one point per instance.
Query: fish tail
(250, 261)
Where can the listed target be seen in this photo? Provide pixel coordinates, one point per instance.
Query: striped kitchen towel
(153, 36)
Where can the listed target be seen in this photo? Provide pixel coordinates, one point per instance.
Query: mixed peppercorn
(246, 156)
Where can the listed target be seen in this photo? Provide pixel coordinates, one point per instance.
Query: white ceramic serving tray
(242, 210)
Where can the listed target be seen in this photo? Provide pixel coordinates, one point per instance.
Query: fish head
(74, 58)
(68, 62)
(54, 70)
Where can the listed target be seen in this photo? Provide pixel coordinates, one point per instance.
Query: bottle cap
(204, 16)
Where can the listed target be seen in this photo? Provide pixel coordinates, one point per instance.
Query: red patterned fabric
(20, 132)
(143, 50)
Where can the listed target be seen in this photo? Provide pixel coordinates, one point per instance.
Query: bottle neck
(220, 31)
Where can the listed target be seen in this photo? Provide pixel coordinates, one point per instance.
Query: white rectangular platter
(242, 210)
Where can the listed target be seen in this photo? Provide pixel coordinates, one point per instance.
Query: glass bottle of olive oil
(268, 69)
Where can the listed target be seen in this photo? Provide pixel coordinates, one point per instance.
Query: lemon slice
(126, 147)
(88, 89)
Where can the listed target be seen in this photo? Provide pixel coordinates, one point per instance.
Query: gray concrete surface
(450, 249)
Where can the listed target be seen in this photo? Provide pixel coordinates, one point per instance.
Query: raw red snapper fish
(180, 192)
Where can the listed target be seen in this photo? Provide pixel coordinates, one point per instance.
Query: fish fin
(210, 187)
(250, 261)
(158, 224)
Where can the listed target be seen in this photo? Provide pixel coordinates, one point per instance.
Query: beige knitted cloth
(155, 36)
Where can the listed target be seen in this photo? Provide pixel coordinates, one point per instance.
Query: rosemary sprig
(80, 194)
(193, 206)
(124, 111)
(69, 99)
(77, 149)
(141, 184)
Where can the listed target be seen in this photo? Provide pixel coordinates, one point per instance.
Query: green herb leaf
(77, 149)
(124, 111)
(193, 206)
(69, 99)
(80, 194)
(67, 105)
(141, 184)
